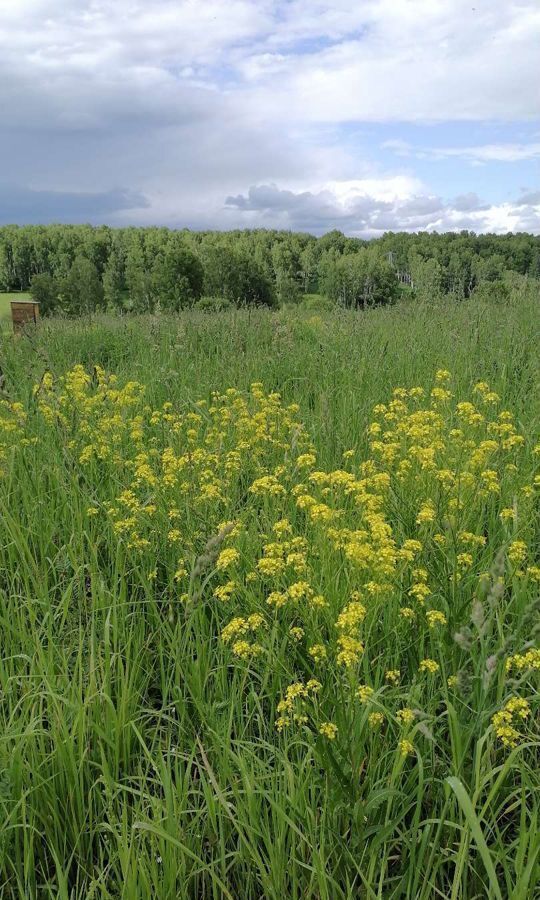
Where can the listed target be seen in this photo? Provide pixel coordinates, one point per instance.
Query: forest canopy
(77, 269)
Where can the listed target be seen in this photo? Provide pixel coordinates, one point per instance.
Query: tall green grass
(335, 365)
(134, 761)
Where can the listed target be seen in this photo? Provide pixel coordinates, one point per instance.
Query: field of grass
(269, 626)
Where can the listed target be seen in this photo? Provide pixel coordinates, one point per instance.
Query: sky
(362, 115)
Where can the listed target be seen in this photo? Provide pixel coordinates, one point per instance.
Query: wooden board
(24, 312)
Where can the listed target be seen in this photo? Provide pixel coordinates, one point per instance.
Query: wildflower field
(269, 603)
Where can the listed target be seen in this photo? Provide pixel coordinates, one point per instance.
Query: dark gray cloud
(469, 203)
(68, 101)
(302, 206)
(317, 212)
(20, 205)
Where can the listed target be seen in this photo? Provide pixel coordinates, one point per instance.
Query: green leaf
(476, 830)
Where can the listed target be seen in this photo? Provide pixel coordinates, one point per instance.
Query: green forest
(79, 269)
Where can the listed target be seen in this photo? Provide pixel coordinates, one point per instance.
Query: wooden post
(24, 312)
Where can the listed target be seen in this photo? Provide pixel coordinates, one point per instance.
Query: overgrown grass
(139, 755)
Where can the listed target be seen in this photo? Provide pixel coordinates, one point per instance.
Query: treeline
(77, 269)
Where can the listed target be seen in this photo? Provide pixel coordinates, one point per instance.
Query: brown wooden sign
(24, 312)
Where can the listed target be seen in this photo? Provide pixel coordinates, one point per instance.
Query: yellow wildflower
(405, 747)
(328, 730)
(375, 719)
(434, 618)
(318, 652)
(227, 558)
(405, 716)
(429, 665)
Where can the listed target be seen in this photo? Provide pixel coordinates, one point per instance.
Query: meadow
(269, 604)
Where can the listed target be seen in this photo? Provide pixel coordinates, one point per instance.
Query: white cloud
(421, 60)
(188, 102)
(367, 209)
(418, 61)
(508, 152)
(492, 152)
(390, 188)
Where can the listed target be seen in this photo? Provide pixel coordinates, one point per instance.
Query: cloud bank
(307, 113)
(361, 212)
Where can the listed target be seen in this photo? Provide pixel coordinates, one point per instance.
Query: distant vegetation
(75, 269)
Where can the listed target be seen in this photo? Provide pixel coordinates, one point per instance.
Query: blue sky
(303, 114)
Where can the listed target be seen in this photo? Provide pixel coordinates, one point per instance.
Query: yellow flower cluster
(12, 431)
(292, 707)
(225, 502)
(243, 626)
(328, 730)
(375, 719)
(364, 692)
(504, 722)
(405, 716)
(429, 665)
(405, 747)
(523, 661)
(227, 558)
(434, 618)
(517, 552)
